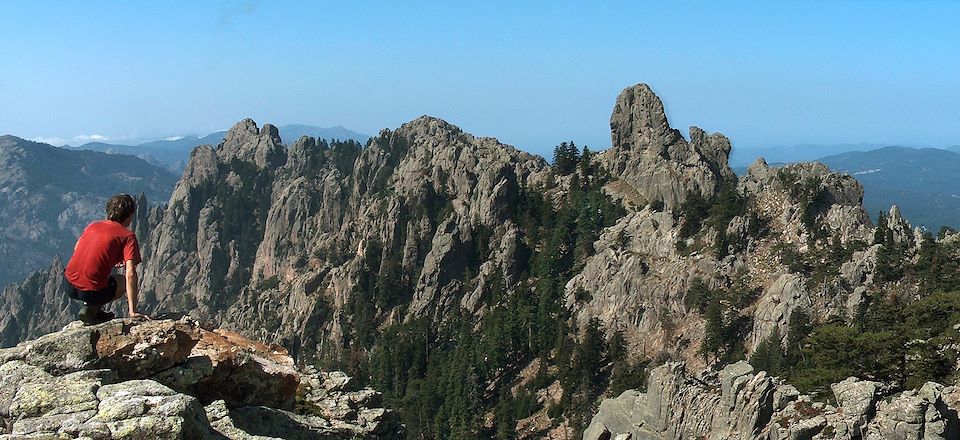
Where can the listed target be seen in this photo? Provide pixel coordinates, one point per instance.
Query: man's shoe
(88, 314)
(94, 315)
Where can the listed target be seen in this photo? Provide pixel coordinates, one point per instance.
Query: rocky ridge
(273, 241)
(322, 216)
(173, 379)
(740, 403)
(302, 245)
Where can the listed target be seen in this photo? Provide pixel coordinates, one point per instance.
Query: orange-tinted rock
(224, 365)
(136, 350)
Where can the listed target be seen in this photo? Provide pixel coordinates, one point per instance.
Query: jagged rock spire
(655, 159)
(639, 121)
(246, 142)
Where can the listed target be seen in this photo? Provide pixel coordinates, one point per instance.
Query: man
(102, 246)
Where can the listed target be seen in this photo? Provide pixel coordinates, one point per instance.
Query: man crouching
(104, 245)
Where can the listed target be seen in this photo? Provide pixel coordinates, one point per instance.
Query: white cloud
(173, 138)
(91, 138)
(74, 141)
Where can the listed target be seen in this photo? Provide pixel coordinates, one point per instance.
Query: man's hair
(120, 206)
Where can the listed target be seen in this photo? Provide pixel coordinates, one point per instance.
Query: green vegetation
(898, 338)
(625, 373)
(443, 378)
(769, 355)
(819, 264)
(565, 158)
(891, 261)
(716, 213)
(900, 342)
(811, 196)
(726, 326)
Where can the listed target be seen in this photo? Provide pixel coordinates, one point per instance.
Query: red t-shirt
(102, 246)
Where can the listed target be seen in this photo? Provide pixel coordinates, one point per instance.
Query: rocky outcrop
(637, 281)
(638, 278)
(798, 196)
(655, 159)
(261, 146)
(84, 404)
(151, 379)
(740, 403)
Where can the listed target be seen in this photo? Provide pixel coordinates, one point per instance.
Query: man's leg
(98, 313)
(121, 287)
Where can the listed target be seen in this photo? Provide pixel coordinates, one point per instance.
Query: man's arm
(133, 288)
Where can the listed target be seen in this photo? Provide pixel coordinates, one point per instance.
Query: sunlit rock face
(173, 379)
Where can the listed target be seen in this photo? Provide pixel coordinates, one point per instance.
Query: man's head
(120, 208)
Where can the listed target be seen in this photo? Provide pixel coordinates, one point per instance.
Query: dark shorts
(96, 297)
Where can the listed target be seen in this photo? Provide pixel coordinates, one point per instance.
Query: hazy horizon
(530, 75)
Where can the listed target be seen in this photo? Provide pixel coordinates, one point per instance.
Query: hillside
(488, 293)
(923, 182)
(49, 194)
(742, 157)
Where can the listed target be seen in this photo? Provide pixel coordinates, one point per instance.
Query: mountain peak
(639, 116)
(261, 146)
(426, 125)
(655, 158)
(430, 121)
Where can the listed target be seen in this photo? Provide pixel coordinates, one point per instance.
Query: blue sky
(532, 74)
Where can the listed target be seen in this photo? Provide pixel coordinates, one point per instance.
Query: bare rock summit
(655, 159)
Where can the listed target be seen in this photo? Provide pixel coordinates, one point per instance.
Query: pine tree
(565, 158)
(769, 355)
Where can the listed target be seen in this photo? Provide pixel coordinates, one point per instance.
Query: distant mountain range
(173, 154)
(743, 157)
(49, 194)
(924, 182)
